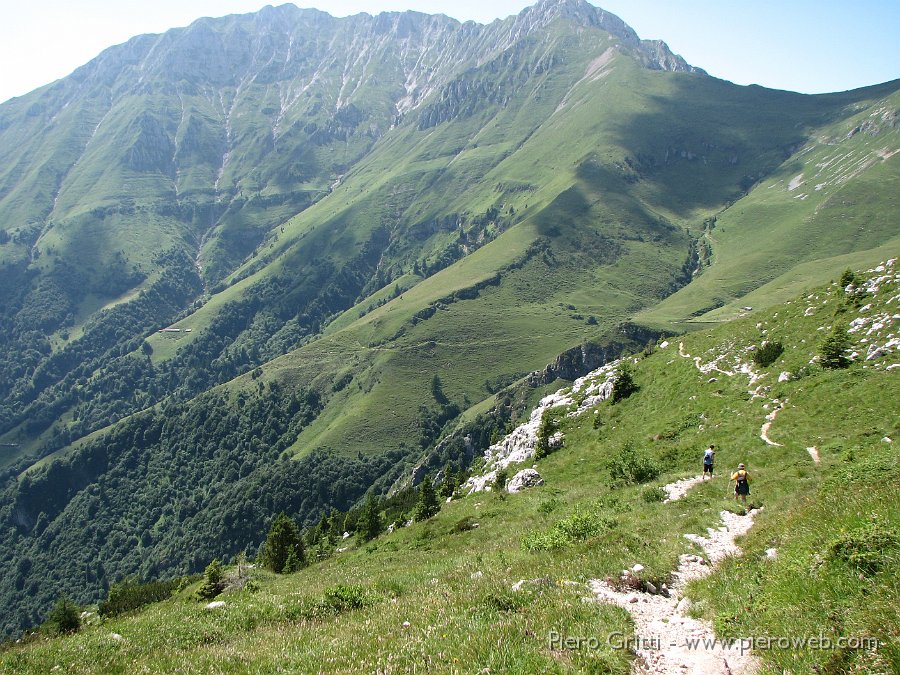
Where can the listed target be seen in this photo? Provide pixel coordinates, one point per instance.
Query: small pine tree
(334, 523)
(500, 480)
(64, 617)
(461, 478)
(768, 353)
(212, 581)
(832, 353)
(623, 384)
(370, 524)
(292, 564)
(448, 487)
(428, 504)
(283, 539)
(847, 278)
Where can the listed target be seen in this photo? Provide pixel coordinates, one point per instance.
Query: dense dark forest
(164, 493)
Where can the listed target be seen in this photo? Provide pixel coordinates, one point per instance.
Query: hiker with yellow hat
(741, 479)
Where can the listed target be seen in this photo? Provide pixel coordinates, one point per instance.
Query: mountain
(273, 261)
(526, 582)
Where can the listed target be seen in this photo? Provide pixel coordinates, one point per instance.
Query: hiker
(742, 483)
(708, 458)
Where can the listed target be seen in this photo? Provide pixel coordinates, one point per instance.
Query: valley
(280, 262)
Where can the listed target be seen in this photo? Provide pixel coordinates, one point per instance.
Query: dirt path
(678, 489)
(764, 430)
(668, 642)
(755, 392)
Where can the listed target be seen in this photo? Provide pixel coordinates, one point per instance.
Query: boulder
(526, 478)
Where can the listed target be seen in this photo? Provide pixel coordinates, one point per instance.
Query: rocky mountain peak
(654, 53)
(577, 11)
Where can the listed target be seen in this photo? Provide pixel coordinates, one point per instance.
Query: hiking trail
(668, 641)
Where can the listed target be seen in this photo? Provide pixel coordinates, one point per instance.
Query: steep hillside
(830, 206)
(354, 232)
(197, 145)
(522, 582)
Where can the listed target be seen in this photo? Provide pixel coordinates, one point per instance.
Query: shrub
(128, 595)
(549, 425)
(847, 278)
(504, 600)
(548, 506)
(465, 524)
(292, 564)
(342, 598)
(427, 505)
(623, 384)
(866, 549)
(212, 581)
(282, 540)
(832, 352)
(370, 523)
(631, 466)
(64, 617)
(577, 527)
(448, 486)
(500, 479)
(654, 494)
(768, 353)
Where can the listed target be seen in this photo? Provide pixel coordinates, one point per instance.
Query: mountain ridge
(292, 245)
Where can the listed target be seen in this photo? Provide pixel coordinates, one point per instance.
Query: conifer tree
(832, 352)
(461, 477)
(623, 384)
(370, 524)
(448, 486)
(283, 539)
(64, 617)
(292, 564)
(427, 505)
(212, 581)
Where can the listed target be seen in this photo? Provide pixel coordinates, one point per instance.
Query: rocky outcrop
(526, 478)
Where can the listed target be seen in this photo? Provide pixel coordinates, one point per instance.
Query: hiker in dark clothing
(741, 480)
(708, 458)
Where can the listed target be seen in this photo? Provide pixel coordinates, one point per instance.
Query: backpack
(742, 477)
(708, 457)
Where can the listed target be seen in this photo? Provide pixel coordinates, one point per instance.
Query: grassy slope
(609, 150)
(830, 206)
(453, 587)
(588, 194)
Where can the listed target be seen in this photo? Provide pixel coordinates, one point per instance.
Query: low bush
(866, 549)
(465, 524)
(653, 494)
(632, 466)
(129, 595)
(768, 353)
(64, 617)
(579, 526)
(342, 598)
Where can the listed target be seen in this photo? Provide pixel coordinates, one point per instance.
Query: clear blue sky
(811, 46)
